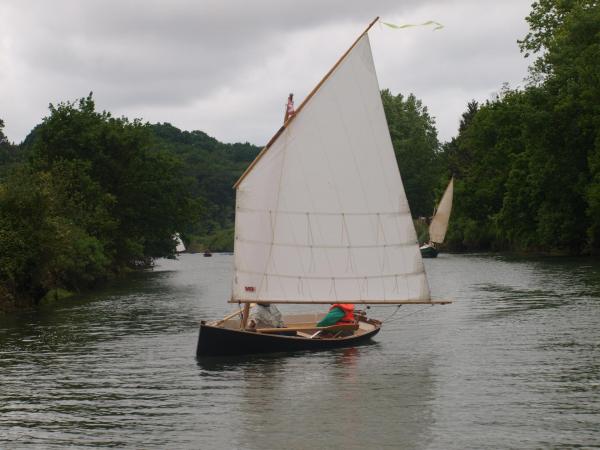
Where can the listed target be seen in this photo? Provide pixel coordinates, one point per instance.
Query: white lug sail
(322, 216)
(439, 222)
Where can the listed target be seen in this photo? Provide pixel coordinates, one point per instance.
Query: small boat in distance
(179, 245)
(207, 253)
(439, 223)
(322, 218)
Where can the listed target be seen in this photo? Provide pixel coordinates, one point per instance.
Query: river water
(513, 363)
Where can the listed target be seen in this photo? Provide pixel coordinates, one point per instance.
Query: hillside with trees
(87, 197)
(214, 168)
(527, 164)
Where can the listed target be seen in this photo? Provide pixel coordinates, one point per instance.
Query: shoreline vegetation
(88, 197)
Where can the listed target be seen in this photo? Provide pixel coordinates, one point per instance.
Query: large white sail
(439, 222)
(322, 216)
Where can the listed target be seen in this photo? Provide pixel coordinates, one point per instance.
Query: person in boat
(265, 315)
(339, 313)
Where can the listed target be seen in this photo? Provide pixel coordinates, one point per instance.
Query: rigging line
(351, 144)
(288, 149)
(272, 220)
(391, 315)
(299, 253)
(309, 233)
(319, 136)
(332, 288)
(365, 285)
(383, 253)
(409, 314)
(311, 264)
(349, 259)
(406, 257)
(381, 260)
(240, 259)
(381, 146)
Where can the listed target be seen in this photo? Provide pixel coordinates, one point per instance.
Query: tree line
(527, 164)
(87, 196)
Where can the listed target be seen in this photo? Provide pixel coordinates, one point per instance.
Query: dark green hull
(427, 251)
(218, 341)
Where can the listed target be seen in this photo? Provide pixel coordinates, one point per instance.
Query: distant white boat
(180, 248)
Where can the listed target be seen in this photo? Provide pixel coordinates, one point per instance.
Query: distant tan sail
(179, 245)
(321, 214)
(439, 222)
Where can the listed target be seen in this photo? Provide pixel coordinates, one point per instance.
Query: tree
(415, 142)
(565, 35)
(9, 155)
(528, 161)
(152, 198)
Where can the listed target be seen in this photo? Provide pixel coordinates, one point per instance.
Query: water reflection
(513, 363)
(332, 398)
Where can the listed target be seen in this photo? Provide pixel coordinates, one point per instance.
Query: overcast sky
(226, 66)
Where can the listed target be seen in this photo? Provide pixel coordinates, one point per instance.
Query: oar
(230, 316)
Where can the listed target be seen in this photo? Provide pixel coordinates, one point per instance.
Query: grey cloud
(179, 50)
(173, 61)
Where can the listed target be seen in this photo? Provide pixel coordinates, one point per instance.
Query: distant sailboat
(180, 246)
(439, 223)
(322, 218)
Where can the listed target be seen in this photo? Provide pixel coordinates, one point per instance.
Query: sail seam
(316, 246)
(312, 277)
(312, 213)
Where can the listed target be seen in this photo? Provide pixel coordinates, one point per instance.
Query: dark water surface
(513, 363)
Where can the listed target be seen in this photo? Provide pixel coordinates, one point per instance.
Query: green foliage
(151, 196)
(94, 199)
(415, 142)
(214, 167)
(42, 247)
(528, 163)
(220, 241)
(422, 229)
(87, 195)
(9, 153)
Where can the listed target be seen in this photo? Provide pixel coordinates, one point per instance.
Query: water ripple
(513, 363)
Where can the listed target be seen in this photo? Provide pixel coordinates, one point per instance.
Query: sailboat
(439, 223)
(322, 218)
(179, 245)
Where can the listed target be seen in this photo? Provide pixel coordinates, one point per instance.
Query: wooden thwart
(340, 327)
